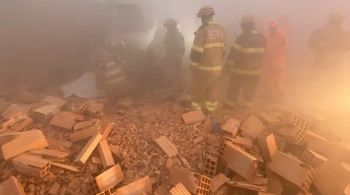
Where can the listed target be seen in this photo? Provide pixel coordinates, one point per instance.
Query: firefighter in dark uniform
(174, 50)
(207, 60)
(245, 63)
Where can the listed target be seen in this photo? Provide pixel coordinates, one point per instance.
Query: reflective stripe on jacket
(207, 52)
(247, 53)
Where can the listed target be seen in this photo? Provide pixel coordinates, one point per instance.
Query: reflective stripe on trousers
(211, 106)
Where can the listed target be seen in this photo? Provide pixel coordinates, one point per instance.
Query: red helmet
(205, 11)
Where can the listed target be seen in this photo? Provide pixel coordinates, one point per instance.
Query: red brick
(241, 162)
(105, 154)
(44, 113)
(210, 165)
(203, 186)
(184, 176)
(293, 134)
(179, 189)
(54, 101)
(88, 149)
(141, 186)
(193, 117)
(313, 159)
(11, 186)
(24, 142)
(109, 178)
(267, 145)
(218, 181)
(31, 165)
(292, 170)
(231, 126)
(168, 147)
(332, 178)
(252, 127)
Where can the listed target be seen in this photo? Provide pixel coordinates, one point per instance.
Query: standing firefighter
(174, 50)
(329, 45)
(245, 61)
(207, 59)
(274, 75)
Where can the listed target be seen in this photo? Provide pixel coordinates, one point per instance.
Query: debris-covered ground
(142, 146)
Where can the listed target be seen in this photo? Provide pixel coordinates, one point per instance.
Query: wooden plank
(30, 140)
(168, 147)
(141, 186)
(50, 153)
(11, 186)
(88, 149)
(65, 167)
(105, 154)
(109, 178)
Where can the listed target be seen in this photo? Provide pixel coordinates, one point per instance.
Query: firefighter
(111, 74)
(329, 45)
(274, 68)
(207, 60)
(174, 50)
(245, 62)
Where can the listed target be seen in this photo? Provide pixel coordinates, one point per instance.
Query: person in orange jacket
(274, 68)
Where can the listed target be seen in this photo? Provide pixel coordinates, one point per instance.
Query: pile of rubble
(143, 147)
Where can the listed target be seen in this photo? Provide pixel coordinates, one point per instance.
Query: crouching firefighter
(245, 63)
(207, 59)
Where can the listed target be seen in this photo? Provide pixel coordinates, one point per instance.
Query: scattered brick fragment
(168, 147)
(109, 178)
(193, 117)
(252, 127)
(11, 186)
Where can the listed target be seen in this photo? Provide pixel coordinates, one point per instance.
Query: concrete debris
(74, 147)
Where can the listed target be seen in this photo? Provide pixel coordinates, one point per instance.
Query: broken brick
(252, 127)
(248, 186)
(210, 165)
(179, 189)
(88, 149)
(332, 177)
(105, 154)
(65, 167)
(43, 113)
(50, 153)
(231, 126)
(109, 178)
(55, 187)
(83, 134)
(241, 141)
(218, 181)
(292, 170)
(31, 165)
(313, 159)
(193, 117)
(203, 186)
(238, 160)
(54, 101)
(141, 186)
(62, 122)
(184, 176)
(293, 134)
(11, 186)
(168, 147)
(267, 145)
(11, 110)
(27, 141)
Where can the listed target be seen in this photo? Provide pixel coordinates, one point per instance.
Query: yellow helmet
(171, 22)
(206, 11)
